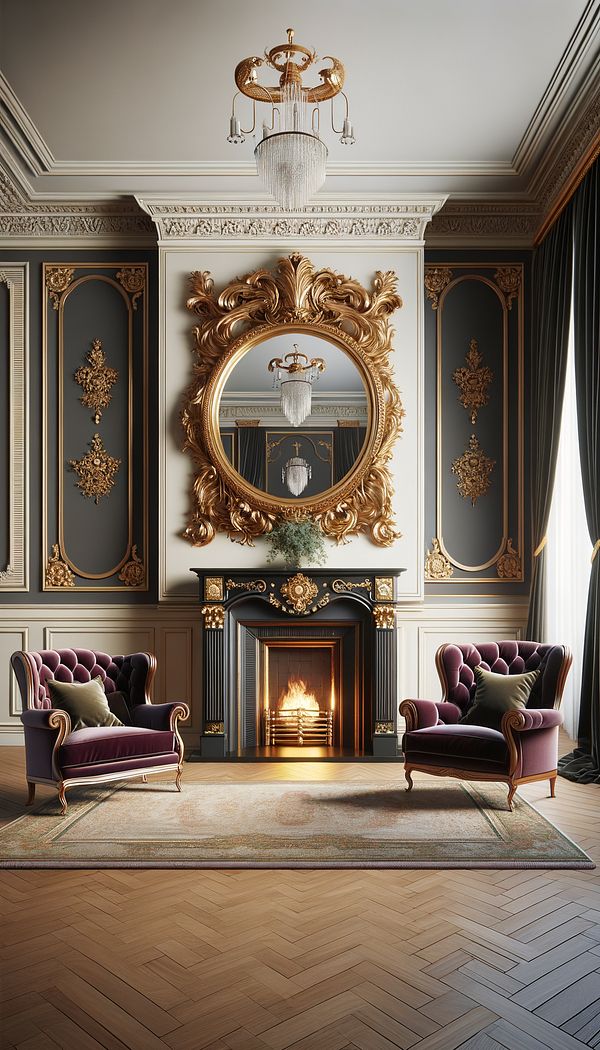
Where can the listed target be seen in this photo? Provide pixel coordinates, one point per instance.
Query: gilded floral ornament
(97, 470)
(58, 573)
(133, 573)
(97, 380)
(251, 309)
(133, 280)
(508, 565)
(436, 279)
(473, 470)
(214, 617)
(473, 381)
(58, 279)
(299, 592)
(385, 617)
(508, 279)
(437, 565)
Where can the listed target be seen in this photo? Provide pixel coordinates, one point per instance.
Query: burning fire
(296, 696)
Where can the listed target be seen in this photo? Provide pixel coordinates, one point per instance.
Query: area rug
(288, 825)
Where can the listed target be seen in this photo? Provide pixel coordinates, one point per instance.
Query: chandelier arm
(339, 131)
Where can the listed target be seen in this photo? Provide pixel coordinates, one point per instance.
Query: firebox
(300, 687)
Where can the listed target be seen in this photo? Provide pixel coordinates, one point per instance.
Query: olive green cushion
(495, 694)
(84, 702)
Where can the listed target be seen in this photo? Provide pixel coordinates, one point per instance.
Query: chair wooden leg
(409, 779)
(178, 779)
(553, 787)
(144, 778)
(511, 794)
(62, 798)
(30, 793)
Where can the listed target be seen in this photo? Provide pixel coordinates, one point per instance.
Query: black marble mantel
(312, 597)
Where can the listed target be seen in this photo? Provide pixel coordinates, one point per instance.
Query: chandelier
(295, 381)
(290, 157)
(297, 472)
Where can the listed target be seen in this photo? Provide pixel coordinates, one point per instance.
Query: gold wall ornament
(97, 470)
(58, 279)
(436, 279)
(342, 586)
(384, 588)
(133, 280)
(133, 573)
(508, 279)
(387, 728)
(214, 728)
(96, 380)
(473, 470)
(258, 586)
(58, 573)
(213, 589)
(473, 381)
(385, 617)
(508, 565)
(214, 617)
(296, 298)
(299, 592)
(437, 565)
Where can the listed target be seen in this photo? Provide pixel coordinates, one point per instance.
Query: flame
(296, 696)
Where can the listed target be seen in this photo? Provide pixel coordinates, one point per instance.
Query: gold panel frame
(494, 275)
(296, 298)
(14, 572)
(59, 281)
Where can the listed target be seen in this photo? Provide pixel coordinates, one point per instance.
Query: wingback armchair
(147, 742)
(525, 748)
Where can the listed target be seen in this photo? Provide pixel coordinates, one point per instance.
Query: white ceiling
(126, 96)
(252, 372)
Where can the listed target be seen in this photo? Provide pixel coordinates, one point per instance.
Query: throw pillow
(496, 694)
(84, 702)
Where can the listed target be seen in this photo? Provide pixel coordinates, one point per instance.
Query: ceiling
(464, 97)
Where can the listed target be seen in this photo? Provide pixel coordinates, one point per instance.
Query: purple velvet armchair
(526, 746)
(147, 742)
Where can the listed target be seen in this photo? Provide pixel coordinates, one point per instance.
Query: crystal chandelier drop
(297, 472)
(290, 157)
(295, 381)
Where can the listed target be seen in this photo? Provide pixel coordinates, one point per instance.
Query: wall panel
(14, 416)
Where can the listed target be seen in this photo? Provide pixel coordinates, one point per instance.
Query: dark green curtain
(551, 309)
(583, 764)
(347, 443)
(252, 451)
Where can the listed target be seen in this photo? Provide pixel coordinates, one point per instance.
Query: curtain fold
(252, 451)
(347, 443)
(551, 306)
(583, 764)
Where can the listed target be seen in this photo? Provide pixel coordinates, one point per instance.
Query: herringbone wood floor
(319, 960)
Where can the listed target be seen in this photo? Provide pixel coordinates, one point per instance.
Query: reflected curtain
(252, 451)
(583, 764)
(347, 443)
(551, 305)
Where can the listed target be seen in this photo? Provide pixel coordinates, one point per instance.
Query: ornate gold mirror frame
(296, 298)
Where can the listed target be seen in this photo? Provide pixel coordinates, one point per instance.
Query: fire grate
(298, 727)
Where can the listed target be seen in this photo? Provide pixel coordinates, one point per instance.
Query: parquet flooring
(309, 960)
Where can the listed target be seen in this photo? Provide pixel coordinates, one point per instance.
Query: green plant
(298, 542)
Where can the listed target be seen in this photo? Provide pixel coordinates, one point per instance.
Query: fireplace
(306, 661)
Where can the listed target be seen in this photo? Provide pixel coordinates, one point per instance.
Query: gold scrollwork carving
(213, 589)
(97, 470)
(508, 279)
(473, 381)
(96, 380)
(295, 298)
(384, 588)
(508, 565)
(214, 728)
(386, 728)
(58, 573)
(473, 470)
(299, 592)
(436, 279)
(58, 279)
(437, 566)
(133, 280)
(258, 586)
(339, 586)
(384, 616)
(214, 617)
(133, 573)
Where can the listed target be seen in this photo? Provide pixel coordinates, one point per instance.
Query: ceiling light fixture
(297, 472)
(291, 157)
(296, 389)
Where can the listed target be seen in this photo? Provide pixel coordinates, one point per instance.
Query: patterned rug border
(581, 861)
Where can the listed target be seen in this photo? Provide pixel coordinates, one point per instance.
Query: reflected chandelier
(291, 157)
(295, 380)
(297, 472)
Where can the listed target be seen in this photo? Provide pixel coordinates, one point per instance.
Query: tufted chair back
(128, 675)
(456, 665)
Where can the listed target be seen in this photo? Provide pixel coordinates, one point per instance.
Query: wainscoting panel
(12, 637)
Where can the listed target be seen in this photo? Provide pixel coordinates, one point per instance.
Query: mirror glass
(293, 415)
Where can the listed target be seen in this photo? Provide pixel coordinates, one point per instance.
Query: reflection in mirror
(293, 415)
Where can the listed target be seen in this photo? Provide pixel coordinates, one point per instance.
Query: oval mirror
(294, 415)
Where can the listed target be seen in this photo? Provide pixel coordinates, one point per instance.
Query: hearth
(299, 660)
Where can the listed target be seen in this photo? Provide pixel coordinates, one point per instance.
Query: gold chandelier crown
(315, 364)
